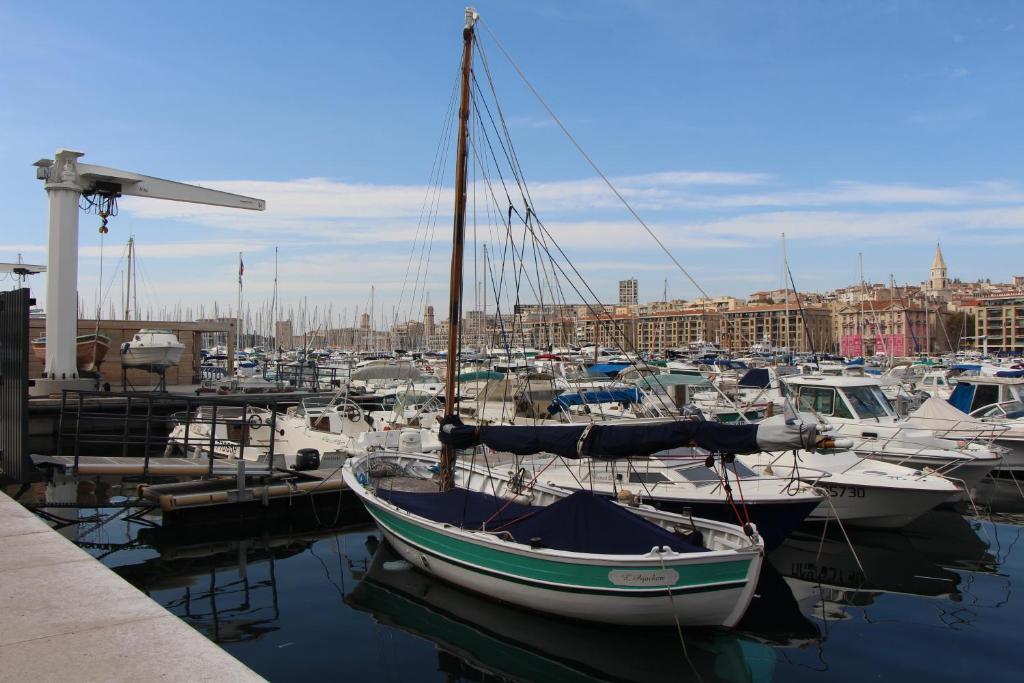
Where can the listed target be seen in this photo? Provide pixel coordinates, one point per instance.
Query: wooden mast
(447, 479)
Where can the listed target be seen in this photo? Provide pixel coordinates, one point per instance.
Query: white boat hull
(152, 357)
(877, 507)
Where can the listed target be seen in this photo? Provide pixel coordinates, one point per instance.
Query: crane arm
(139, 185)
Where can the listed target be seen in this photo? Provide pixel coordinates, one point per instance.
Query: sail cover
(606, 441)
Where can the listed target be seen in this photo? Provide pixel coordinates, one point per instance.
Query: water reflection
(292, 598)
(927, 558)
(477, 637)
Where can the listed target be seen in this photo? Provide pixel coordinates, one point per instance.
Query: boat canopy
(391, 371)
(606, 441)
(757, 378)
(967, 367)
(608, 369)
(478, 375)
(577, 398)
(670, 380)
(962, 396)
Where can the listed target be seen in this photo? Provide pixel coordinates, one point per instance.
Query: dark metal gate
(15, 465)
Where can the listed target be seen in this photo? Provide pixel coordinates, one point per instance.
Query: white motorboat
(327, 426)
(858, 410)
(861, 491)
(680, 481)
(154, 350)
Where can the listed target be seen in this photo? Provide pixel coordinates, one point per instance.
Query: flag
(241, 268)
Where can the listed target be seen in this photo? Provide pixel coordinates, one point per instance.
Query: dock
(65, 616)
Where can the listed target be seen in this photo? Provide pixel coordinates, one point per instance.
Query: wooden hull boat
(90, 350)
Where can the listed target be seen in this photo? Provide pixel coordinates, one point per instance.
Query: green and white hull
(707, 588)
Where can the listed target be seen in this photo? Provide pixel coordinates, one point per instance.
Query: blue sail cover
(606, 369)
(576, 398)
(604, 441)
(1010, 373)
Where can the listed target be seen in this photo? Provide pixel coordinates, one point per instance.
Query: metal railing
(140, 424)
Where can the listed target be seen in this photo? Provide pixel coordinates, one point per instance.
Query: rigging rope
(593, 165)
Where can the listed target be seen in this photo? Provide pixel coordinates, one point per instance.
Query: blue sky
(880, 127)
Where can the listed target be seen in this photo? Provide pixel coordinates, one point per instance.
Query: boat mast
(239, 335)
(458, 239)
(863, 296)
(785, 294)
(273, 309)
(128, 285)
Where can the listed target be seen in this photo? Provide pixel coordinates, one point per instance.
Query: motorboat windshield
(868, 402)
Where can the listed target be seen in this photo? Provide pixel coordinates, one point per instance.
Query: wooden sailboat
(576, 555)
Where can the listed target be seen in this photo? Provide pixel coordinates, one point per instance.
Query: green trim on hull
(557, 575)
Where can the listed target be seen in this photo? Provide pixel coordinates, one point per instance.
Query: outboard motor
(307, 459)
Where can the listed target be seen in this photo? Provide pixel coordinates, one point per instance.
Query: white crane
(66, 182)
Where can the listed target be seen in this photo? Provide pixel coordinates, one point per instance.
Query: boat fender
(519, 499)
(626, 497)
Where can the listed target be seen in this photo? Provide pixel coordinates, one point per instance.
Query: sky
(870, 127)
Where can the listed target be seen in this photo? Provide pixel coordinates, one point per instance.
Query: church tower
(428, 322)
(939, 282)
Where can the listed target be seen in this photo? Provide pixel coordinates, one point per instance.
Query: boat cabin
(845, 398)
(974, 394)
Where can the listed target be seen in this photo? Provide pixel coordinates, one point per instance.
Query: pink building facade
(881, 328)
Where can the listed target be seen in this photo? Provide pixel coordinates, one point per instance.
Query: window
(817, 399)
(985, 394)
(646, 477)
(867, 401)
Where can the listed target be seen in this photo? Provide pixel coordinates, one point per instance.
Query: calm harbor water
(940, 600)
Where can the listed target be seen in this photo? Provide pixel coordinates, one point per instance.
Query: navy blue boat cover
(603, 441)
(755, 377)
(458, 507)
(582, 522)
(587, 523)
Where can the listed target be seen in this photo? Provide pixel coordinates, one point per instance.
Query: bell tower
(939, 281)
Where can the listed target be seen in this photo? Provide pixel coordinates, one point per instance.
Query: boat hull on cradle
(90, 350)
(711, 592)
(151, 357)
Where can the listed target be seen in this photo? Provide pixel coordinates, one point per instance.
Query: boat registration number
(846, 491)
